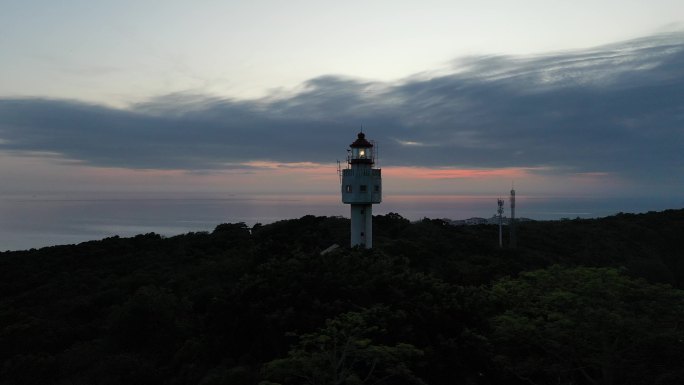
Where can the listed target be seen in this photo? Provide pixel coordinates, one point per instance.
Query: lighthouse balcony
(350, 172)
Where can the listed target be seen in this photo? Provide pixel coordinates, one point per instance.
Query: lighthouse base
(362, 225)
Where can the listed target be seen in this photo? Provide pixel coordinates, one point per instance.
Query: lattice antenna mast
(500, 211)
(511, 225)
(339, 171)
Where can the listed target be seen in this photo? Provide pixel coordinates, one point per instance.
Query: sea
(33, 221)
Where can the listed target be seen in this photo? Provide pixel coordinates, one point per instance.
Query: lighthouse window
(377, 188)
(348, 188)
(363, 188)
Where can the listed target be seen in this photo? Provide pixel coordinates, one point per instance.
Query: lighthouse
(361, 188)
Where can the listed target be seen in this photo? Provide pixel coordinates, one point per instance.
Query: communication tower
(512, 224)
(361, 188)
(500, 211)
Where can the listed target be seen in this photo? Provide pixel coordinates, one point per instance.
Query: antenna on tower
(512, 220)
(500, 211)
(339, 171)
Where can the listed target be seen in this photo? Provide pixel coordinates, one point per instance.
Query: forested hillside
(578, 302)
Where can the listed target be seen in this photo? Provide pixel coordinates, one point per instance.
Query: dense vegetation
(578, 302)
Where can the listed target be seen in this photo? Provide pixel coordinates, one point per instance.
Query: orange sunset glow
(457, 173)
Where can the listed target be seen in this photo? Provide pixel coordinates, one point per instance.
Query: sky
(576, 98)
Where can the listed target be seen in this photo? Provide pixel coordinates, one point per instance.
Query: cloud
(615, 109)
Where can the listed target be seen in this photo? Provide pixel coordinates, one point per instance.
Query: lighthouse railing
(362, 172)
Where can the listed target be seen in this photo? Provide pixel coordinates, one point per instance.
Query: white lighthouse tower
(361, 188)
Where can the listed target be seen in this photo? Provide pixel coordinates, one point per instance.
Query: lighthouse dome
(361, 141)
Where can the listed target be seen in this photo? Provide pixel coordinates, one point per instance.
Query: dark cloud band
(618, 109)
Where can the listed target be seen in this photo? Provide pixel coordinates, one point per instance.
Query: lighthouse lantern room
(361, 188)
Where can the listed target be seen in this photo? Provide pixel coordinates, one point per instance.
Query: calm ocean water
(37, 221)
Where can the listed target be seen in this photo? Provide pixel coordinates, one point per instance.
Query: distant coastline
(34, 222)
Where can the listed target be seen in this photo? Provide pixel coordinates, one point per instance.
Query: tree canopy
(577, 302)
(583, 324)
